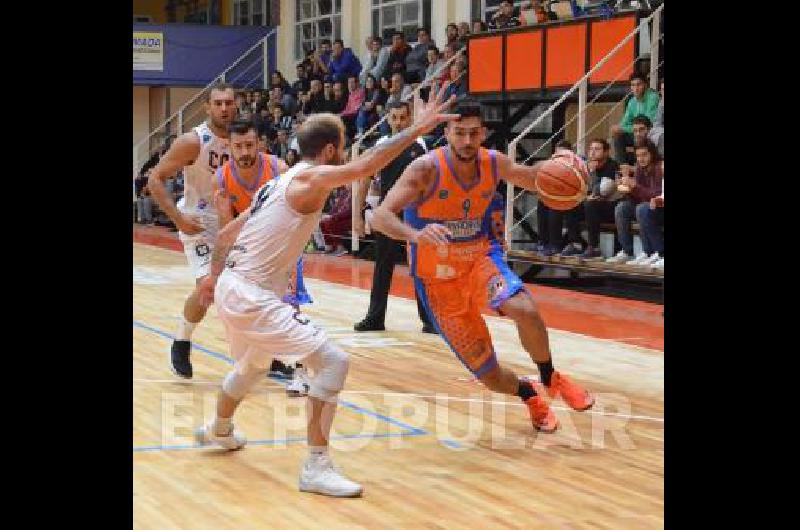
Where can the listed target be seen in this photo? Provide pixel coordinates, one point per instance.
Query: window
(146, 19)
(316, 20)
(250, 12)
(389, 16)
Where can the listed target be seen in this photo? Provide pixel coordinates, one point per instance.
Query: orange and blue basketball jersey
(459, 208)
(455, 282)
(240, 192)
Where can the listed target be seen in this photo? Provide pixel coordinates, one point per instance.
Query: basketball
(563, 181)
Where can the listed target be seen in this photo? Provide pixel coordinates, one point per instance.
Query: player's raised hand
(433, 112)
(222, 201)
(206, 289)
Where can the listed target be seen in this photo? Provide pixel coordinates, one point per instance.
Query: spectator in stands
(642, 130)
(504, 17)
(336, 224)
(598, 206)
(435, 62)
(320, 59)
(417, 59)
(640, 184)
(280, 120)
(570, 218)
(541, 12)
(280, 147)
(398, 90)
(397, 54)
(277, 79)
(374, 100)
(375, 61)
(257, 102)
(316, 98)
(286, 101)
(343, 63)
(302, 84)
(144, 202)
(463, 32)
(452, 36)
(355, 99)
(263, 144)
(263, 121)
(338, 99)
(478, 26)
(651, 221)
(291, 158)
(644, 102)
(657, 132)
(458, 79)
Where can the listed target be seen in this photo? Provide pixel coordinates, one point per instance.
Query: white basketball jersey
(274, 236)
(198, 178)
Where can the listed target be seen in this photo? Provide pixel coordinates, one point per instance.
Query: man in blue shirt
(343, 63)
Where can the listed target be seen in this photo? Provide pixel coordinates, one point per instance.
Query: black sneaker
(368, 325)
(427, 328)
(180, 358)
(280, 370)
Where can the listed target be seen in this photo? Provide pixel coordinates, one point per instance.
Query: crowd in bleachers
(359, 87)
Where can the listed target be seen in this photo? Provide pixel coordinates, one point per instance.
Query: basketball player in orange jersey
(458, 269)
(199, 153)
(235, 183)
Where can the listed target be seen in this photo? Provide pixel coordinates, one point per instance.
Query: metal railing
(582, 86)
(253, 63)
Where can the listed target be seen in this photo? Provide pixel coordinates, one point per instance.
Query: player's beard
(246, 161)
(466, 158)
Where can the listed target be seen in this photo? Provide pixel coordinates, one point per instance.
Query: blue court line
(410, 429)
(285, 441)
(451, 443)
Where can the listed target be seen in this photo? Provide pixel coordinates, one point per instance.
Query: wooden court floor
(432, 448)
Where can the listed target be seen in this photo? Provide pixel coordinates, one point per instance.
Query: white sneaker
(620, 257)
(659, 265)
(653, 259)
(641, 259)
(299, 384)
(205, 435)
(322, 477)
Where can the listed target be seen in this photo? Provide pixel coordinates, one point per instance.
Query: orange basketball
(563, 181)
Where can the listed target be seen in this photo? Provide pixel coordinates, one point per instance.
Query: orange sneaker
(542, 417)
(572, 393)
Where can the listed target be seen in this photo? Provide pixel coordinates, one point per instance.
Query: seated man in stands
(504, 17)
(599, 204)
(642, 130)
(640, 185)
(338, 222)
(344, 63)
(651, 223)
(644, 102)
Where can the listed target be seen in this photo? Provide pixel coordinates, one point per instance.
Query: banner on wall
(148, 51)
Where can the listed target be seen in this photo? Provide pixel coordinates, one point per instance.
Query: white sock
(185, 329)
(316, 452)
(222, 426)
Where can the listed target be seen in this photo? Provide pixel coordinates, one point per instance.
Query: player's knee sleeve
(237, 385)
(329, 378)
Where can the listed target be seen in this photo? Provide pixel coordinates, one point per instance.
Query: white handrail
(261, 42)
(512, 146)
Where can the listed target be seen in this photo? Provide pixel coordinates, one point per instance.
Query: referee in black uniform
(389, 251)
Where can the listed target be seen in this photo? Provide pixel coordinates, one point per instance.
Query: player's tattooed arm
(412, 186)
(183, 151)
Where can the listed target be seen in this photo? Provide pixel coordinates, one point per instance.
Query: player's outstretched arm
(518, 174)
(181, 153)
(412, 185)
(310, 188)
(222, 247)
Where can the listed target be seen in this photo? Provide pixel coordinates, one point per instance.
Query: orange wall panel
(485, 58)
(605, 35)
(566, 55)
(524, 60)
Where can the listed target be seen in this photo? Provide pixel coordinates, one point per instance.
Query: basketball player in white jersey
(199, 152)
(263, 243)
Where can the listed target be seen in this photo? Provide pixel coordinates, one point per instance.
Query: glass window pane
(324, 28)
(410, 32)
(375, 22)
(308, 31)
(337, 6)
(410, 12)
(324, 7)
(298, 44)
(257, 5)
(337, 27)
(389, 16)
(306, 10)
(257, 20)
